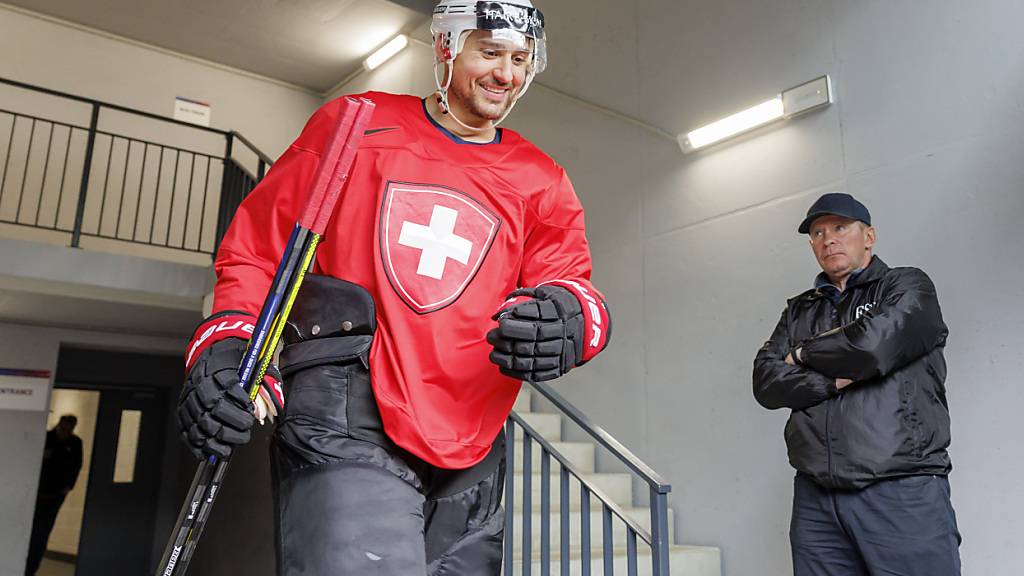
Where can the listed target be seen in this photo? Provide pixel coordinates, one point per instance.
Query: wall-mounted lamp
(385, 52)
(797, 100)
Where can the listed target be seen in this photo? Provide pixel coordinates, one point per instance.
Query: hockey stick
(332, 172)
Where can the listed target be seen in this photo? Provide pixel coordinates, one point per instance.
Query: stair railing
(656, 538)
(130, 189)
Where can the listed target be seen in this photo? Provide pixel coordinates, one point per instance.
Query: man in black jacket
(62, 459)
(859, 361)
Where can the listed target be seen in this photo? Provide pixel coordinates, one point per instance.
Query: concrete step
(641, 516)
(683, 561)
(579, 454)
(618, 487)
(549, 426)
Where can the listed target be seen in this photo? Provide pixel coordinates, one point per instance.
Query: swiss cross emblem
(432, 242)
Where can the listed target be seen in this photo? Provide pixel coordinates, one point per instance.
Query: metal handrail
(110, 105)
(263, 157)
(236, 179)
(656, 537)
(41, 119)
(103, 104)
(653, 479)
(536, 437)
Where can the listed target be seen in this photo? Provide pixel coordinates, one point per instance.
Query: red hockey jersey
(439, 232)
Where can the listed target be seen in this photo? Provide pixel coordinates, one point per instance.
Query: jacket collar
(875, 269)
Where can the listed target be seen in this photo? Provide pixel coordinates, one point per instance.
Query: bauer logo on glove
(214, 414)
(542, 333)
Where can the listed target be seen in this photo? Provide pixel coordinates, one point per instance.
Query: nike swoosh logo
(379, 130)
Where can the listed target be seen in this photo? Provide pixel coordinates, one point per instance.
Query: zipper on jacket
(828, 442)
(828, 409)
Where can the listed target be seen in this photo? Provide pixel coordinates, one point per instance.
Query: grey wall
(925, 131)
(698, 253)
(22, 433)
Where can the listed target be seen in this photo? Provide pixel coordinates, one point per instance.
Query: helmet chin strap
(442, 98)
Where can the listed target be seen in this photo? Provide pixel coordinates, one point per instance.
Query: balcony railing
(147, 179)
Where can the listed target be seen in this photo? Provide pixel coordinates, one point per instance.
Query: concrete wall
(698, 253)
(22, 433)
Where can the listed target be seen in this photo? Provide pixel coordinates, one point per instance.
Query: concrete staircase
(683, 560)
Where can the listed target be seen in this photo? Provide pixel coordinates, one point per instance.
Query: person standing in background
(62, 460)
(859, 361)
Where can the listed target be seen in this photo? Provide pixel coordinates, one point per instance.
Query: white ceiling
(309, 43)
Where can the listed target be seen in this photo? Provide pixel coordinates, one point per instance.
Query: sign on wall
(23, 389)
(191, 111)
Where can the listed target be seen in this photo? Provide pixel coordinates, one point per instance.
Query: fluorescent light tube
(798, 100)
(386, 52)
(739, 122)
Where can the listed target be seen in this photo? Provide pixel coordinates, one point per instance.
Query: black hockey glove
(214, 413)
(539, 339)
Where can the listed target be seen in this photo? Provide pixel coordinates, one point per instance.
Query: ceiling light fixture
(797, 100)
(385, 52)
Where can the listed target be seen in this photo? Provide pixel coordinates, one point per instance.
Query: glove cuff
(272, 385)
(226, 324)
(597, 322)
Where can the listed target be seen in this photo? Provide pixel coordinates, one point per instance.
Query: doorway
(123, 402)
(62, 547)
(124, 481)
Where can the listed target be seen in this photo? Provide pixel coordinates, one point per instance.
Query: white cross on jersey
(438, 242)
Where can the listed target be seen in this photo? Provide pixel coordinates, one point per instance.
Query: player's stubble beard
(467, 97)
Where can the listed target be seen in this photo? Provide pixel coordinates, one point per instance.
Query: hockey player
(455, 266)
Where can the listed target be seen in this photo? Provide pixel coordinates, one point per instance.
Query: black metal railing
(89, 181)
(612, 514)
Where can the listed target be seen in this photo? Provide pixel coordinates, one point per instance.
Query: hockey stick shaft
(198, 501)
(221, 466)
(326, 192)
(201, 484)
(297, 258)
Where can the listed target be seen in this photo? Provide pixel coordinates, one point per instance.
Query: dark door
(121, 504)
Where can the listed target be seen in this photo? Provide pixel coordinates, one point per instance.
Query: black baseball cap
(838, 204)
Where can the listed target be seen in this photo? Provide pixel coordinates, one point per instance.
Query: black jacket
(62, 459)
(885, 332)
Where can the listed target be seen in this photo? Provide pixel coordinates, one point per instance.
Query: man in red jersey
(455, 266)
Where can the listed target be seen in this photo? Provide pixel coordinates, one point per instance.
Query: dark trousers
(350, 502)
(899, 527)
(45, 515)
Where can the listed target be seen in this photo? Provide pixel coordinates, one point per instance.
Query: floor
(51, 567)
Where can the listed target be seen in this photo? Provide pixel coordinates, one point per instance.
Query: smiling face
(841, 245)
(487, 75)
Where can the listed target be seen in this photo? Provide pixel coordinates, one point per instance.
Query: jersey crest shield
(433, 240)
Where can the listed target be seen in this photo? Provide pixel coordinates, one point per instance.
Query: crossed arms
(906, 325)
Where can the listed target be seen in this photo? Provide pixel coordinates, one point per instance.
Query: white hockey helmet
(514, 20)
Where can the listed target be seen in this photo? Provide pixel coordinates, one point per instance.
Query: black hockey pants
(350, 502)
